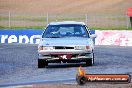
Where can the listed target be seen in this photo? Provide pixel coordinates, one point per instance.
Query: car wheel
(89, 62)
(93, 59)
(42, 63)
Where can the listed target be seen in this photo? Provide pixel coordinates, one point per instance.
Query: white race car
(67, 42)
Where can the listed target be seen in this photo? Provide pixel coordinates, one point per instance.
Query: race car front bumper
(66, 57)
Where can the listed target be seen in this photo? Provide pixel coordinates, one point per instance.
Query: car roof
(66, 23)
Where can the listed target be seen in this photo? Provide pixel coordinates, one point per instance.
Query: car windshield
(60, 31)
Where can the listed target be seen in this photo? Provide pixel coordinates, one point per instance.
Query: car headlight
(88, 47)
(82, 47)
(46, 48)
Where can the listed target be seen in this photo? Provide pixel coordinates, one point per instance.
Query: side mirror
(37, 36)
(93, 36)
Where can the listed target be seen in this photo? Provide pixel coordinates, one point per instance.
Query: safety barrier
(114, 37)
(104, 37)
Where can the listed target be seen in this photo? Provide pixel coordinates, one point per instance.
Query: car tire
(42, 63)
(90, 62)
(93, 58)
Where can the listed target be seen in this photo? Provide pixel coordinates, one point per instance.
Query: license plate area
(67, 56)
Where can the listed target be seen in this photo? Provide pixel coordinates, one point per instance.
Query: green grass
(34, 19)
(42, 19)
(21, 27)
(117, 18)
(24, 86)
(38, 19)
(42, 27)
(23, 18)
(3, 18)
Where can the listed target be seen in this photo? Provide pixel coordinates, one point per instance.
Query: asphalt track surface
(18, 65)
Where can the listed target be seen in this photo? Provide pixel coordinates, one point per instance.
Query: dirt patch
(65, 6)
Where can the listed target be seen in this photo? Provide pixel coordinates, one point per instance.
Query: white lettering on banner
(3, 38)
(123, 41)
(12, 39)
(19, 39)
(34, 37)
(110, 37)
(130, 41)
(126, 41)
(24, 37)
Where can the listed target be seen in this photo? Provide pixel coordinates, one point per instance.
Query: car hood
(65, 41)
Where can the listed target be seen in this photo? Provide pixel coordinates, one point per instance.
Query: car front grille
(55, 56)
(63, 47)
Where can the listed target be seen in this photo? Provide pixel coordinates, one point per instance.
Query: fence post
(86, 18)
(9, 17)
(131, 21)
(127, 21)
(47, 19)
